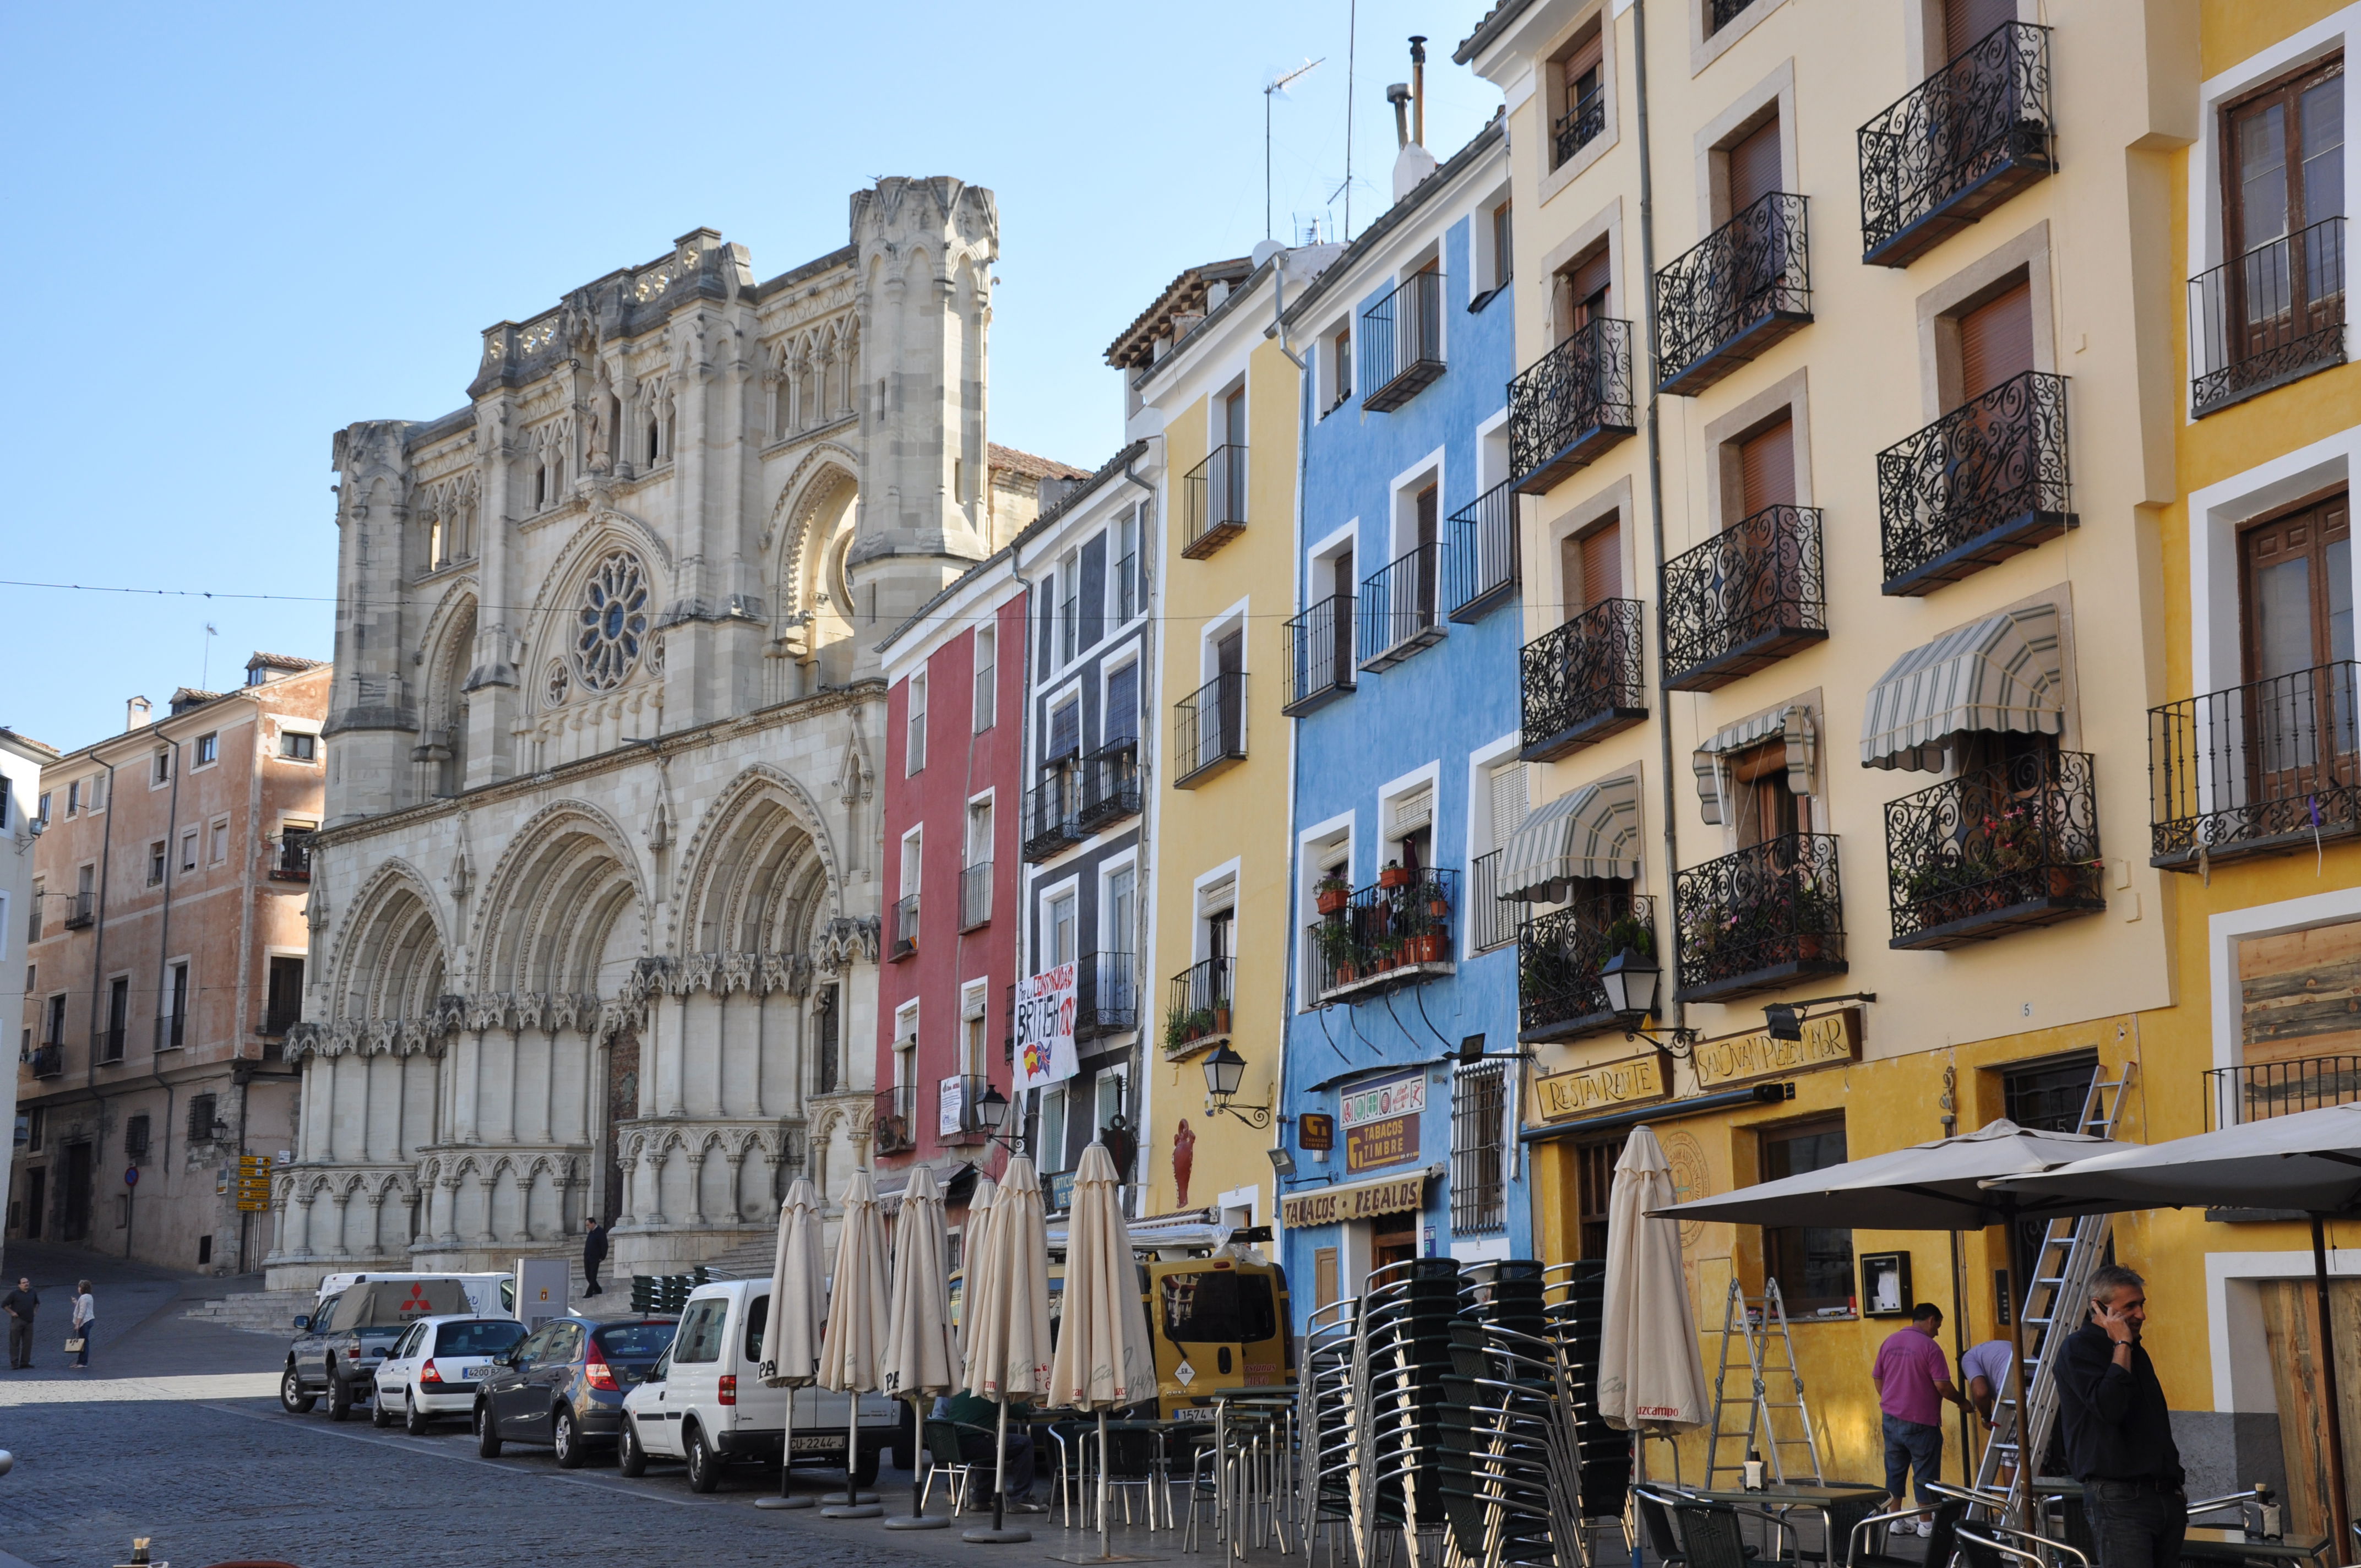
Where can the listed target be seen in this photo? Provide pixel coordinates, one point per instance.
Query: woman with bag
(85, 1322)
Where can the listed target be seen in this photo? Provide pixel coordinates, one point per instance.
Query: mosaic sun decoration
(612, 623)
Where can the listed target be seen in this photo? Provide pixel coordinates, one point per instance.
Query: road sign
(130, 1176)
(253, 1183)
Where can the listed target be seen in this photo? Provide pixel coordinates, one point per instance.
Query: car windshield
(634, 1342)
(487, 1336)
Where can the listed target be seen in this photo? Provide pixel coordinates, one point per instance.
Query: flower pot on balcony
(1345, 974)
(1810, 946)
(1393, 876)
(1437, 909)
(1330, 902)
(2065, 882)
(1220, 1020)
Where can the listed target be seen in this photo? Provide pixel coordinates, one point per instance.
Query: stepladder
(1778, 1428)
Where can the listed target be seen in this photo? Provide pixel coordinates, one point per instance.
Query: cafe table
(1840, 1504)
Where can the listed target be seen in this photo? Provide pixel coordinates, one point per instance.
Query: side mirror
(303, 1323)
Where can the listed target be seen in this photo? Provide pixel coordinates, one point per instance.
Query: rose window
(612, 622)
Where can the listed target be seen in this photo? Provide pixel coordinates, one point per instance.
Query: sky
(233, 231)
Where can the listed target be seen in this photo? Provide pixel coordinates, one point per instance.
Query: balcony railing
(1763, 917)
(1491, 920)
(1483, 559)
(48, 1061)
(106, 1044)
(1197, 1007)
(2272, 316)
(1578, 126)
(1741, 290)
(1584, 681)
(294, 861)
(1213, 502)
(975, 895)
(171, 1032)
(905, 928)
(1209, 730)
(1052, 812)
(1398, 609)
(894, 1129)
(276, 1020)
(1110, 786)
(2254, 1091)
(82, 910)
(1395, 932)
(1107, 994)
(1570, 405)
(2012, 845)
(1402, 342)
(1559, 955)
(1958, 145)
(1984, 482)
(964, 1122)
(1320, 654)
(1745, 598)
(2258, 769)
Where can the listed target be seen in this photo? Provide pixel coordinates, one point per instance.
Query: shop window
(1813, 1263)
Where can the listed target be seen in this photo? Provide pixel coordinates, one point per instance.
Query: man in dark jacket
(594, 1252)
(20, 1304)
(2119, 1433)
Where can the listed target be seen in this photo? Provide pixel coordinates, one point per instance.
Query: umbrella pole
(999, 1533)
(786, 1462)
(922, 1464)
(2337, 1502)
(1104, 1547)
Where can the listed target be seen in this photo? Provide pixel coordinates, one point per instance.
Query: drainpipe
(163, 959)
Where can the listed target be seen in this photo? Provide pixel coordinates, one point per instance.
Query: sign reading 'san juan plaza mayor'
(1828, 1039)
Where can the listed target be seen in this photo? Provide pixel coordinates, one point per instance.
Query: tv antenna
(1267, 93)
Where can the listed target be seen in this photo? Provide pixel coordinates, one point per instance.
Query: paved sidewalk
(140, 1331)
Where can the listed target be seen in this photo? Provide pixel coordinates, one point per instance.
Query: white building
(21, 759)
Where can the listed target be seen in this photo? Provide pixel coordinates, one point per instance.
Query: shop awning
(1397, 1194)
(2002, 673)
(1592, 832)
(1793, 724)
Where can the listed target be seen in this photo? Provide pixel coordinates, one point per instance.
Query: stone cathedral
(595, 912)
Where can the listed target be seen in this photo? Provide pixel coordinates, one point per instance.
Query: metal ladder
(1739, 1318)
(2070, 1252)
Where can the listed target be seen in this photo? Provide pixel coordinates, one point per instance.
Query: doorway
(74, 1224)
(37, 1200)
(622, 1105)
(1392, 1246)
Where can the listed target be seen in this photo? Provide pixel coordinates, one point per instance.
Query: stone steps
(255, 1311)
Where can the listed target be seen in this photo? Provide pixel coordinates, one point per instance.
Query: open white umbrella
(856, 1326)
(1650, 1375)
(1103, 1360)
(791, 1334)
(1008, 1318)
(918, 1361)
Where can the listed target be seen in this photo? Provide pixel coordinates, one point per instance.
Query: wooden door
(2283, 171)
(1592, 566)
(1766, 468)
(2297, 581)
(2291, 1334)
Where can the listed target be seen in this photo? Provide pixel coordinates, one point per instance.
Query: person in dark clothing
(594, 1254)
(20, 1304)
(980, 1417)
(2118, 1430)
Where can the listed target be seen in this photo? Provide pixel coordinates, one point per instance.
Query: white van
(491, 1294)
(706, 1402)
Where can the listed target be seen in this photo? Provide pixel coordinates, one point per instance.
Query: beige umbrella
(1008, 1318)
(918, 1362)
(1103, 1360)
(791, 1334)
(856, 1324)
(1651, 1378)
(979, 1222)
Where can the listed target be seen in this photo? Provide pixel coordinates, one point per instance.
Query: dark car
(563, 1386)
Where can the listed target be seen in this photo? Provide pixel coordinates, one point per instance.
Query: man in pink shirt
(1913, 1380)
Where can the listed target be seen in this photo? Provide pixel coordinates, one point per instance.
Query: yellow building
(1208, 377)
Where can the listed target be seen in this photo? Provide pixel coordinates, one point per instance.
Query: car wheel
(704, 1464)
(487, 1436)
(340, 1399)
(415, 1418)
(566, 1437)
(380, 1412)
(864, 1469)
(292, 1397)
(629, 1457)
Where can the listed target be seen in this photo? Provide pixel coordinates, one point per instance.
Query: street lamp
(993, 1112)
(1224, 1070)
(1630, 981)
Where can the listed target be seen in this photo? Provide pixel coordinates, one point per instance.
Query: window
(699, 1337)
(1049, 1130)
(913, 754)
(1765, 803)
(1061, 935)
(201, 1118)
(1219, 1307)
(1069, 593)
(1107, 1089)
(189, 850)
(1813, 1263)
(1592, 567)
(2297, 580)
(1753, 167)
(173, 1027)
(758, 1313)
(297, 746)
(284, 1006)
(973, 1026)
(208, 749)
(1766, 467)
(1577, 96)
(161, 765)
(1997, 341)
(905, 1043)
(45, 808)
(2283, 157)
(36, 1123)
(978, 832)
(155, 863)
(987, 671)
(1119, 717)
(56, 1030)
(6, 803)
(1582, 292)
(1503, 253)
(33, 924)
(1340, 364)
(1479, 1101)
(825, 1073)
(220, 851)
(912, 861)
(1127, 595)
(134, 1135)
(73, 798)
(118, 1019)
(1967, 21)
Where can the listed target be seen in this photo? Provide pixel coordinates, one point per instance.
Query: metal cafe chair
(941, 1440)
(1949, 1514)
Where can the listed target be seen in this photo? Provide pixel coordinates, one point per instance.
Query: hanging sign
(1380, 1122)
(1586, 1091)
(1045, 1027)
(1357, 1200)
(1829, 1040)
(952, 1108)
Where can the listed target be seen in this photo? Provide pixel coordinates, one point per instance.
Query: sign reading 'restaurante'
(1045, 1027)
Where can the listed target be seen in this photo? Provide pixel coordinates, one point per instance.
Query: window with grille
(1479, 1192)
(201, 1118)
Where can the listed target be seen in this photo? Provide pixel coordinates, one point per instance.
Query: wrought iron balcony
(106, 1044)
(1491, 920)
(1320, 656)
(975, 895)
(1053, 821)
(1107, 994)
(1984, 482)
(1395, 932)
(82, 910)
(1402, 342)
(1742, 289)
(1584, 681)
(1764, 916)
(960, 1122)
(1577, 128)
(1398, 609)
(1559, 955)
(1570, 405)
(1110, 785)
(48, 1061)
(2272, 316)
(1745, 598)
(294, 861)
(1197, 1007)
(2003, 847)
(1209, 730)
(2260, 769)
(276, 1020)
(171, 1032)
(1213, 502)
(1483, 559)
(1958, 145)
(894, 1128)
(906, 930)
(2254, 1091)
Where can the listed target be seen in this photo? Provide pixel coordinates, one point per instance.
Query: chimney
(134, 714)
(1398, 96)
(1418, 89)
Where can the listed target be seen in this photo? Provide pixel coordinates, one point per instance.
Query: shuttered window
(1965, 21)
(1997, 341)
(1065, 732)
(1754, 167)
(1121, 721)
(1766, 464)
(1413, 811)
(1594, 568)
(1509, 801)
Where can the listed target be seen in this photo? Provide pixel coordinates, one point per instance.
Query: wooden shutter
(1580, 62)
(1602, 564)
(1997, 341)
(1966, 21)
(1766, 465)
(2296, 617)
(1754, 167)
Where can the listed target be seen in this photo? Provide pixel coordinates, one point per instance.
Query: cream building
(595, 913)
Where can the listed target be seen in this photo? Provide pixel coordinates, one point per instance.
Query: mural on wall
(1184, 1159)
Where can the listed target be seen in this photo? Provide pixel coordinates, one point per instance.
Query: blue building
(1401, 1078)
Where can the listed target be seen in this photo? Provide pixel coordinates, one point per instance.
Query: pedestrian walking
(85, 1324)
(1913, 1380)
(20, 1304)
(594, 1254)
(2119, 1431)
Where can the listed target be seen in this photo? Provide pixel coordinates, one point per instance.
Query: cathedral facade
(594, 914)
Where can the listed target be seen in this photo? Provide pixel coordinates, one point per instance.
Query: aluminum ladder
(1769, 1359)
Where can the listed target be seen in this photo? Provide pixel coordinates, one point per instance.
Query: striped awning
(1792, 724)
(2002, 673)
(1592, 832)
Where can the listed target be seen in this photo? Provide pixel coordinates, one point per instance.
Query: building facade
(166, 966)
(22, 759)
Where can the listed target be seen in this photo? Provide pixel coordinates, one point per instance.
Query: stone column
(737, 1186)
(343, 1202)
(485, 1236)
(696, 1190)
(447, 1200)
(299, 1229)
(376, 1247)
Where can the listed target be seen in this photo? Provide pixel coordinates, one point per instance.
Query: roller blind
(1965, 21)
(1766, 464)
(1997, 341)
(1754, 167)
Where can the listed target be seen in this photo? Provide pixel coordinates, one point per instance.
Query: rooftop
(1185, 295)
(1008, 460)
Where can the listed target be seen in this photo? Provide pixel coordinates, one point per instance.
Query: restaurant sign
(1587, 1090)
(1380, 1122)
(1829, 1040)
(1361, 1200)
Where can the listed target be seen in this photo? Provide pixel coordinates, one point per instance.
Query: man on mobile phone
(2119, 1433)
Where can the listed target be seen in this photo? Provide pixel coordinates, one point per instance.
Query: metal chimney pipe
(1398, 96)
(1418, 89)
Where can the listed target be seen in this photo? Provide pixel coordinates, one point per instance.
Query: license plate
(472, 1372)
(820, 1445)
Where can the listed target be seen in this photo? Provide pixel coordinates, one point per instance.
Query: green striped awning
(1792, 724)
(2002, 673)
(1592, 832)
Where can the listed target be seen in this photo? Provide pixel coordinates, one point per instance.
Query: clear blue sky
(234, 231)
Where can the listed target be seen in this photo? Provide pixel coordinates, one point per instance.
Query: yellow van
(1218, 1323)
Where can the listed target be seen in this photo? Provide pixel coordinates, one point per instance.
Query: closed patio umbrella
(1651, 1376)
(849, 1356)
(791, 1334)
(918, 1363)
(1008, 1318)
(1103, 1360)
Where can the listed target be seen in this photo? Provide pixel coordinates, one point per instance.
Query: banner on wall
(1045, 1027)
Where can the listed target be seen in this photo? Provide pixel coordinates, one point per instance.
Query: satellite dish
(1267, 249)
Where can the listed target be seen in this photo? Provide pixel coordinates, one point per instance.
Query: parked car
(432, 1369)
(705, 1404)
(338, 1345)
(564, 1385)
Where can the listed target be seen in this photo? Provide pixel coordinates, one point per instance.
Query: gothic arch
(564, 885)
(825, 483)
(747, 883)
(390, 962)
(548, 627)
